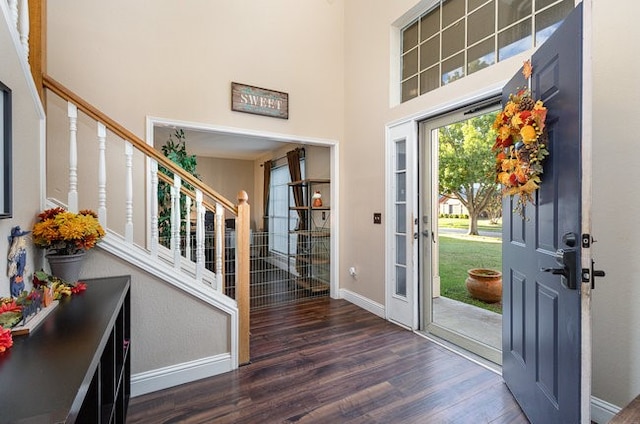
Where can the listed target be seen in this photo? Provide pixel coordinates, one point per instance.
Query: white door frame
(408, 128)
(430, 256)
(587, 183)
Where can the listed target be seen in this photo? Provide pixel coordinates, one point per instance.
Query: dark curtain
(293, 159)
(266, 191)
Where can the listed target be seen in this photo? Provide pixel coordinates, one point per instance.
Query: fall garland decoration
(12, 310)
(521, 145)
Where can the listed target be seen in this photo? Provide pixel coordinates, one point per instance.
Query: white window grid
(525, 43)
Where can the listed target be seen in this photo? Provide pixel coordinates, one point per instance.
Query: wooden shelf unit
(76, 367)
(312, 251)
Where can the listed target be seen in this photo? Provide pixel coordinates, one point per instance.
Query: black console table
(76, 366)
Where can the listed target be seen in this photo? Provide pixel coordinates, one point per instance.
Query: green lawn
(483, 224)
(458, 254)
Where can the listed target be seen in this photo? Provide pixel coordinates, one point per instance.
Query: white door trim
(410, 123)
(586, 255)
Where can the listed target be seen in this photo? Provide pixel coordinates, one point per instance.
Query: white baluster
(72, 200)
(23, 26)
(187, 228)
(13, 9)
(199, 236)
(175, 220)
(128, 202)
(102, 175)
(154, 207)
(219, 243)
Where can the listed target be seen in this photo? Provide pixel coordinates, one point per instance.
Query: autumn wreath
(521, 146)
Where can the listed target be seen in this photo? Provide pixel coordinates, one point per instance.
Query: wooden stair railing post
(38, 42)
(242, 275)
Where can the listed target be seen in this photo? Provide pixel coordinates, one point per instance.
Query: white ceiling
(220, 145)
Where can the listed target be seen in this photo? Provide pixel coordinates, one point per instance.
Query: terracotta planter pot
(485, 284)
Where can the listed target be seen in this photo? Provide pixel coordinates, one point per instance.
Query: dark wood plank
(326, 360)
(630, 414)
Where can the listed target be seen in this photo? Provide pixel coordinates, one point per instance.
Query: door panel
(542, 318)
(401, 228)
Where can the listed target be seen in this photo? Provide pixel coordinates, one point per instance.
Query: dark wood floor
(328, 361)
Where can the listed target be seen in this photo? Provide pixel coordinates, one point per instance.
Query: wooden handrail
(38, 42)
(139, 144)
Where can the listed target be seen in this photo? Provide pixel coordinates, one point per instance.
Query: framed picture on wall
(5, 152)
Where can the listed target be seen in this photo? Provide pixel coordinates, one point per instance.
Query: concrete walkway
(471, 321)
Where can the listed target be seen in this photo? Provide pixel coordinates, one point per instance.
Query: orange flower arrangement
(520, 146)
(67, 233)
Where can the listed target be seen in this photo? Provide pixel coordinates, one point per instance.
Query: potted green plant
(176, 151)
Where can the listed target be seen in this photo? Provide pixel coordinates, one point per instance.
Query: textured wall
(167, 326)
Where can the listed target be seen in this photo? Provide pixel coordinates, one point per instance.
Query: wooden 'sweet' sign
(259, 101)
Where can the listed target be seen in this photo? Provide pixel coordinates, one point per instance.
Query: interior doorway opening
(462, 234)
(231, 160)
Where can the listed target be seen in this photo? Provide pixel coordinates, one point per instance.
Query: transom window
(459, 37)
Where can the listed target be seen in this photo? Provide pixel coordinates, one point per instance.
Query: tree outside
(467, 166)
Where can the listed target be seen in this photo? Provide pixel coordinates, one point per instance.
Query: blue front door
(541, 310)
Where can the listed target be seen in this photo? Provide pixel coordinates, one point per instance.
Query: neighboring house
(452, 206)
(136, 60)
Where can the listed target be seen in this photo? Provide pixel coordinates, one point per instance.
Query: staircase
(118, 163)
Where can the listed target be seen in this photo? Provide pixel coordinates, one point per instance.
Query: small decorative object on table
(23, 315)
(317, 199)
(67, 236)
(16, 260)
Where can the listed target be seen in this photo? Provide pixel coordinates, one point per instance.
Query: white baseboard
(363, 302)
(174, 375)
(601, 411)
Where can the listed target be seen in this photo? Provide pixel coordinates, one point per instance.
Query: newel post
(242, 275)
